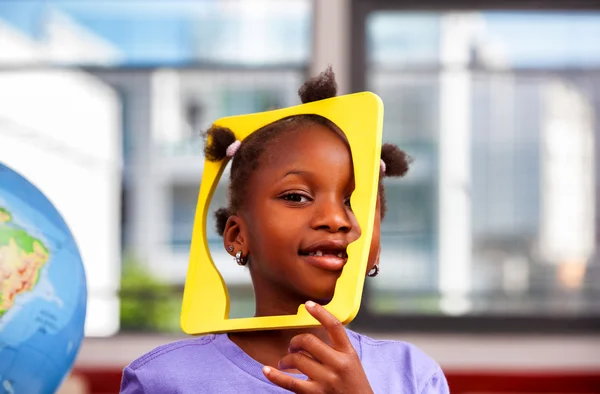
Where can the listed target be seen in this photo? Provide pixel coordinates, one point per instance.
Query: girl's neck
(269, 346)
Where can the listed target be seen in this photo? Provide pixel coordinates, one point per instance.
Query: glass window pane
(500, 39)
(497, 215)
(402, 39)
(542, 39)
(131, 33)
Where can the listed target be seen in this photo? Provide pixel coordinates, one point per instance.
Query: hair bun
(396, 161)
(321, 87)
(218, 139)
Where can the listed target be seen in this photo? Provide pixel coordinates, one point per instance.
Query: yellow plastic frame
(205, 307)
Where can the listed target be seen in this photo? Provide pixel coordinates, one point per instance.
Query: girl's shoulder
(399, 362)
(185, 348)
(170, 367)
(393, 347)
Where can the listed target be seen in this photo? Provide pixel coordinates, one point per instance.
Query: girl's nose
(334, 216)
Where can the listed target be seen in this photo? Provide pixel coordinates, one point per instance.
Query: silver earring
(239, 259)
(374, 271)
(230, 248)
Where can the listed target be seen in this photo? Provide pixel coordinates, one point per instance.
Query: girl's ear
(234, 236)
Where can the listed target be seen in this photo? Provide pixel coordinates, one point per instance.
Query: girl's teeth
(319, 253)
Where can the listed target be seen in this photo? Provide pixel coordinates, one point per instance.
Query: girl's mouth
(330, 257)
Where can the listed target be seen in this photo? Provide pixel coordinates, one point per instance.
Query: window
(497, 217)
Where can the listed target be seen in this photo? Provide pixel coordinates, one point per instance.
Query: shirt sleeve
(437, 384)
(130, 384)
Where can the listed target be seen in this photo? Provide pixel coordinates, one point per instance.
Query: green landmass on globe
(5, 216)
(22, 257)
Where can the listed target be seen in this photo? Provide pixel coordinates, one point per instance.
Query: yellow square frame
(205, 307)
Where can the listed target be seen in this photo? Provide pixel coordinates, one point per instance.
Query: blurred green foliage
(147, 303)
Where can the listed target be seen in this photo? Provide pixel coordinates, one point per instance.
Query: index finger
(335, 328)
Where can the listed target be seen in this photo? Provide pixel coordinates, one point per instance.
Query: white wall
(15, 48)
(61, 130)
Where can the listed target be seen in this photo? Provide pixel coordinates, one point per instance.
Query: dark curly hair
(247, 158)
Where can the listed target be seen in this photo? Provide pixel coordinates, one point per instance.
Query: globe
(43, 290)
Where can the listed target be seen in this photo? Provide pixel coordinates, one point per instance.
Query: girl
(289, 219)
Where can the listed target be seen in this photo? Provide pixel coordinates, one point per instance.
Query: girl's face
(296, 221)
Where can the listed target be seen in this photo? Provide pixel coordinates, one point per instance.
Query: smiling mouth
(329, 260)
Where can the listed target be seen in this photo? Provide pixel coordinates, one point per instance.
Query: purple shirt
(214, 364)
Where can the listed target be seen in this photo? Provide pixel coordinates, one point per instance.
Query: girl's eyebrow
(296, 172)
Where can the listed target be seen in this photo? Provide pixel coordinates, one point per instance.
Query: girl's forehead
(313, 133)
(317, 157)
(312, 141)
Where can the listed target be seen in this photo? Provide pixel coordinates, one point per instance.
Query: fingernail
(310, 304)
(266, 370)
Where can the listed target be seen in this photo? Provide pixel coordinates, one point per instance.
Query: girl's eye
(295, 197)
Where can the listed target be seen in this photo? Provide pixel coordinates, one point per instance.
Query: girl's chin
(321, 298)
(321, 292)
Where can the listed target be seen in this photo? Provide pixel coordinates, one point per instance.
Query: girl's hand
(330, 369)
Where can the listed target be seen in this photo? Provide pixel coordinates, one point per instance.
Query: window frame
(367, 319)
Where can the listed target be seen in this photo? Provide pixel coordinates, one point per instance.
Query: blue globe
(43, 290)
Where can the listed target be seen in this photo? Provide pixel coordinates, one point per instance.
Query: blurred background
(490, 245)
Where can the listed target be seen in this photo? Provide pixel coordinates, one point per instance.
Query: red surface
(107, 380)
(524, 382)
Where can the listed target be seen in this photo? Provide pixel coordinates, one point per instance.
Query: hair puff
(321, 87)
(218, 140)
(396, 161)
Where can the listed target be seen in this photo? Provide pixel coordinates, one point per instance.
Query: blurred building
(494, 229)
(471, 229)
